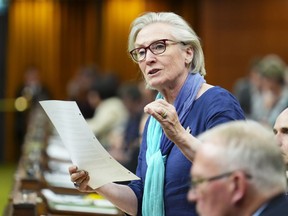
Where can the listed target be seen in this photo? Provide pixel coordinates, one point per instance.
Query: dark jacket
(278, 206)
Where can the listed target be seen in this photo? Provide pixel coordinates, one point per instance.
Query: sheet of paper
(84, 148)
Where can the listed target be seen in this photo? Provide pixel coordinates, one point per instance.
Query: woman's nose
(149, 56)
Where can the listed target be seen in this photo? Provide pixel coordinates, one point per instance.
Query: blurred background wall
(60, 36)
(3, 42)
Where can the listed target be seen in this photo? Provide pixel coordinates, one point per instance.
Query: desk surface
(27, 197)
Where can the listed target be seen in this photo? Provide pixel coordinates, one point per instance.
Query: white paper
(84, 148)
(58, 179)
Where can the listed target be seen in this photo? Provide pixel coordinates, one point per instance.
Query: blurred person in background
(238, 171)
(248, 89)
(28, 96)
(110, 112)
(125, 146)
(274, 92)
(170, 57)
(78, 87)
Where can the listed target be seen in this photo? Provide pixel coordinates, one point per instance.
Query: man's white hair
(251, 147)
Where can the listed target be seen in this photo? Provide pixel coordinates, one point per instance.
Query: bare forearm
(187, 144)
(121, 196)
(172, 127)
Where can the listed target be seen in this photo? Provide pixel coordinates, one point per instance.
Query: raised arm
(167, 116)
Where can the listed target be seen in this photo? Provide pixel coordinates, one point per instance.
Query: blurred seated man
(238, 171)
(281, 131)
(274, 92)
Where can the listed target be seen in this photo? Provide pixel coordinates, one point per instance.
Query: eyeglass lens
(156, 48)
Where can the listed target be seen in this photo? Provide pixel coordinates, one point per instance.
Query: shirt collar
(260, 210)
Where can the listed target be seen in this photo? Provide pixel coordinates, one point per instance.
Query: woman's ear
(189, 55)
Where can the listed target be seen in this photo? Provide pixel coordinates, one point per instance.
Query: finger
(78, 181)
(163, 114)
(162, 102)
(79, 176)
(155, 112)
(153, 108)
(73, 169)
(82, 186)
(158, 106)
(158, 112)
(158, 103)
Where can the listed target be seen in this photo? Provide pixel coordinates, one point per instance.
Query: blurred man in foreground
(238, 171)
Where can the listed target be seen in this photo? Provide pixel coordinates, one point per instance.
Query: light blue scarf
(153, 198)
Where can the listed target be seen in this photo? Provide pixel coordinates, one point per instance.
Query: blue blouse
(214, 107)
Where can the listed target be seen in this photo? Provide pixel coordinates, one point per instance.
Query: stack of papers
(78, 203)
(61, 180)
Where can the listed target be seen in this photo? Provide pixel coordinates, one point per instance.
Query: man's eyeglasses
(195, 182)
(157, 47)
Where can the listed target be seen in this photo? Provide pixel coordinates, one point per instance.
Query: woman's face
(166, 70)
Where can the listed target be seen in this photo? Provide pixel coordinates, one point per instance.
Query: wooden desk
(26, 197)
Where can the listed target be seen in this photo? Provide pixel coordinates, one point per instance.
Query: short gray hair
(183, 32)
(251, 147)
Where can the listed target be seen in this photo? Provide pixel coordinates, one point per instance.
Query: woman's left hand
(167, 116)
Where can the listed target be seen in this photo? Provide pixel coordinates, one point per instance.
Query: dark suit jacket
(278, 206)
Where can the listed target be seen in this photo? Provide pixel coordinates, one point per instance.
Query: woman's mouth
(153, 71)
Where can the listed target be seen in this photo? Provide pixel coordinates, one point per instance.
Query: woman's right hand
(80, 179)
